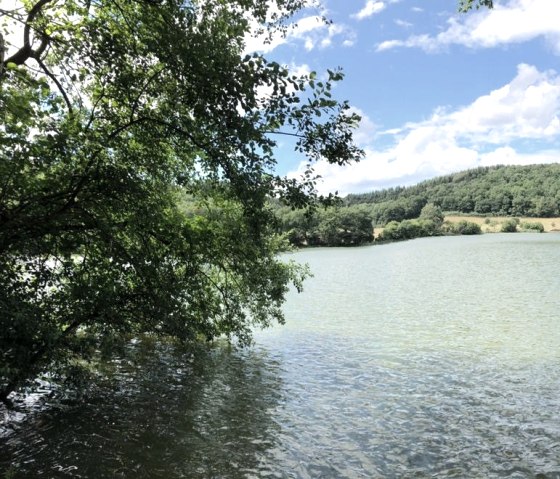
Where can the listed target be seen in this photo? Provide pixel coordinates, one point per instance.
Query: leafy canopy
(137, 156)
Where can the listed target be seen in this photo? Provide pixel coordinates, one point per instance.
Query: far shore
(493, 224)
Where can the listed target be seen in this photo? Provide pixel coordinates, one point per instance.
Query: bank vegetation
(482, 200)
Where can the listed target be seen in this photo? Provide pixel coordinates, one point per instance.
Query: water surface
(438, 357)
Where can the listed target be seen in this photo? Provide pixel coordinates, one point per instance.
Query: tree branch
(56, 82)
(2, 53)
(26, 52)
(285, 133)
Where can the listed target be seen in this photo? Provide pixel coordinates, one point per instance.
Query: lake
(438, 357)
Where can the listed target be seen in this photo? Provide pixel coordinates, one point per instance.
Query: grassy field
(493, 224)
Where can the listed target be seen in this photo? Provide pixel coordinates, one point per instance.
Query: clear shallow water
(438, 357)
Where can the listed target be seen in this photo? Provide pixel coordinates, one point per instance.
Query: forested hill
(498, 190)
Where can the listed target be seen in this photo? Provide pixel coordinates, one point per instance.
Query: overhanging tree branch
(56, 82)
(26, 52)
(160, 89)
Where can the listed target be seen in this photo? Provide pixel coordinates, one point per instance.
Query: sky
(438, 91)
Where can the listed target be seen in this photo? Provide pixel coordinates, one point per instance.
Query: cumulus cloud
(483, 133)
(370, 8)
(515, 22)
(367, 129)
(508, 156)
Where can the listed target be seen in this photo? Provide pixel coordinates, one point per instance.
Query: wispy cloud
(488, 131)
(403, 23)
(514, 22)
(370, 8)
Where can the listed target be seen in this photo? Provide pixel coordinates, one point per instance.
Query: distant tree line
(429, 223)
(352, 226)
(532, 191)
(334, 226)
(416, 211)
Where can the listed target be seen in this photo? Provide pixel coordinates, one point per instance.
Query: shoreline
(492, 224)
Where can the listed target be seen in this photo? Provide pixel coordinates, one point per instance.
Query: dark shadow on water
(166, 414)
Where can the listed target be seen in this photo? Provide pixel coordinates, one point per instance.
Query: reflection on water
(173, 416)
(432, 358)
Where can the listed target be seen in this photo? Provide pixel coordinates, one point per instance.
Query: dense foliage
(113, 113)
(532, 191)
(430, 223)
(532, 226)
(335, 226)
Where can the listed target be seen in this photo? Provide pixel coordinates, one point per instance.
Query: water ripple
(437, 358)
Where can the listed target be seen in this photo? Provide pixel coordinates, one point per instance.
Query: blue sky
(438, 91)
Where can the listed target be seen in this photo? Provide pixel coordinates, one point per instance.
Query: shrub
(409, 229)
(390, 232)
(430, 227)
(532, 226)
(470, 228)
(509, 226)
(465, 228)
(432, 213)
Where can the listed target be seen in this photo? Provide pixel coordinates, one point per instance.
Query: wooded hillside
(532, 191)
(516, 191)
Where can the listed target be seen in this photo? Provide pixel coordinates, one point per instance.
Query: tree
(433, 213)
(356, 225)
(346, 226)
(531, 190)
(509, 226)
(112, 112)
(391, 232)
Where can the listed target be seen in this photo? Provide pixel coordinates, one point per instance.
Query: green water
(438, 357)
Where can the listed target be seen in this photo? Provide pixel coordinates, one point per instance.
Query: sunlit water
(438, 357)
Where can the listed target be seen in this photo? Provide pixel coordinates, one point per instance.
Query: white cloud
(262, 43)
(388, 44)
(403, 23)
(486, 132)
(515, 22)
(508, 156)
(370, 8)
(365, 133)
(527, 107)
